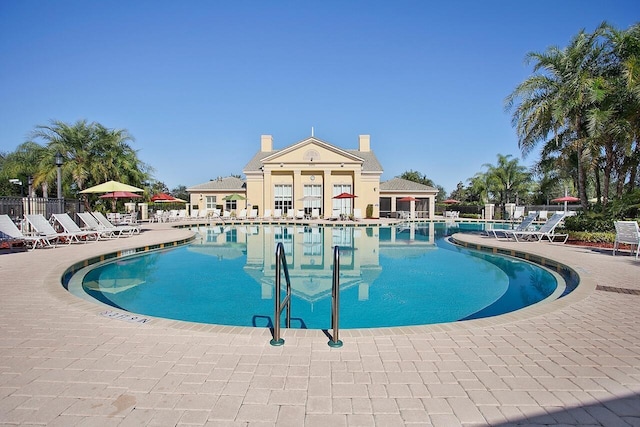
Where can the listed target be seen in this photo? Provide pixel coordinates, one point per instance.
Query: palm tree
(551, 106)
(92, 154)
(506, 179)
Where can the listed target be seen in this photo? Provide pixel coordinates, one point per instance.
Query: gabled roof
(369, 160)
(399, 184)
(229, 183)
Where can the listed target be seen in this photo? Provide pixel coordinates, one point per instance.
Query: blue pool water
(389, 276)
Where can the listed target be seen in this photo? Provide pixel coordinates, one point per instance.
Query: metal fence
(16, 207)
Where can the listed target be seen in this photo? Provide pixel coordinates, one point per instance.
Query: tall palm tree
(551, 106)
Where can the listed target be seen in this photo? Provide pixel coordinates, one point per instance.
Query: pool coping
(585, 287)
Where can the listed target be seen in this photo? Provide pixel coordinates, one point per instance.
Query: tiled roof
(371, 163)
(399, 184)
(228, 183)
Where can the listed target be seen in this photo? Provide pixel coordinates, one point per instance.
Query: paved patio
(64, 362)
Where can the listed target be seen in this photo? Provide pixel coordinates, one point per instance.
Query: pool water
(389, 276)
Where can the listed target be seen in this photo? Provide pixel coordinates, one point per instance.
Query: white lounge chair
(357, 214)
(92, 224)
(547, 230)
(70, 227)
(335, 215)
(10, 229)
(42, 227)
(524, 225)
(119, 229)
(291, 214)
(277, 213)
(300, 214)
(243, 214)
(315, 213)
(267, 215)
(226, 216)
(518, 213)
(253, 214)
(627, 233)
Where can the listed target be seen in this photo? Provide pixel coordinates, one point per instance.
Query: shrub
(589, 222)
(369, 211)
(595, 237)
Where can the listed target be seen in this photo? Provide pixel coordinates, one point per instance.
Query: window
(211, 202)
(283, 197)
(312, 197)
(231, 205)
(343, 205)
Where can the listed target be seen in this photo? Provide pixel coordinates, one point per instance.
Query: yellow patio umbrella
(111, 186)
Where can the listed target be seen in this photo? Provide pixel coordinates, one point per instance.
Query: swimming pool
(389, 276)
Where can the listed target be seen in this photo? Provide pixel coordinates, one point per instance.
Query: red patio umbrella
(566, 199)
(120, 195)
(569, 199)
(162, 197)
(345, 196)
(451, 201)
(115, 195)
(408, 199)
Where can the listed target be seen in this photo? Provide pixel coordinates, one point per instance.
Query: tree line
(581, 108)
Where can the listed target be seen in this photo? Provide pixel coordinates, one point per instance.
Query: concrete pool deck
(66, 362)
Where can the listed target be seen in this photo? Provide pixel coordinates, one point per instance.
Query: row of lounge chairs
(44, 235)
(525, 230)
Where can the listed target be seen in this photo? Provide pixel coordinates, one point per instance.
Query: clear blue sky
(197, 82)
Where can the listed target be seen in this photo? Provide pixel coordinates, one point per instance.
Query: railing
(335, 300)
(281, 264)
(16, 207)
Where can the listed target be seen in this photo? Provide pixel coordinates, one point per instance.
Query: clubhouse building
(314, 175)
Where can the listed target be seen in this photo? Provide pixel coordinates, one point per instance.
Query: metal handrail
(281, 264)
(335, 299)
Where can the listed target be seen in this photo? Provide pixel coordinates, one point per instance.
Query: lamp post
(59, 162)
(29, 193)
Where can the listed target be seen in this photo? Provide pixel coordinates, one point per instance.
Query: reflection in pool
(389, 276)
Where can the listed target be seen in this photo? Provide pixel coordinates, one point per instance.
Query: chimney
(266, 143)
(365, 143)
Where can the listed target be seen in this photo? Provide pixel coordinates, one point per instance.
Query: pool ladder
(281, 265)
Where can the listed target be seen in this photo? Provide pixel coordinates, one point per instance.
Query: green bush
(592, 237)
(470, 215)
(369, 211)
(589, 222)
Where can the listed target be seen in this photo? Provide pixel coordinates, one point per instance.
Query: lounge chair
(524, 225)
(518, 213)
(214, 214)
(119, 229)
(291, 214)
(543, 215)
(9, 228)
(42, 227)
(267, 215)
(253, 214)
(226, 216)
(300, 214)
(70, 227)
(243, 214)
(92, 224)
(315, 213)
(547, 230)
(357, 214)
(277, 213)
(627, 233)
(335, 215)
